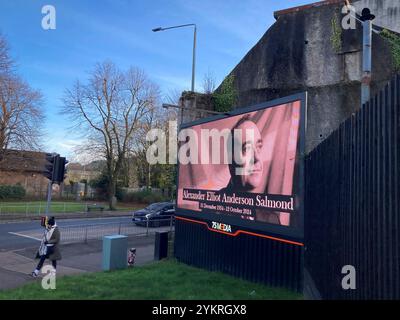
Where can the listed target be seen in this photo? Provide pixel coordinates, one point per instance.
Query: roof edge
(279, 13)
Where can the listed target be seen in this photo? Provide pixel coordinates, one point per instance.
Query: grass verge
(162, 280)
(57, 207)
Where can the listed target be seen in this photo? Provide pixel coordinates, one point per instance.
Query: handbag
(50, 250)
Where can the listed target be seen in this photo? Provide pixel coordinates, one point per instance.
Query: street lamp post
(366, 19)
(194, 45)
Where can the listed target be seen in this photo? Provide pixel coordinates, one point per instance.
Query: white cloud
(70, 148)
(246, 20)
(120, 34)
(175, 82)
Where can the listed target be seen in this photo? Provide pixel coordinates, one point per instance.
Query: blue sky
(90, 31)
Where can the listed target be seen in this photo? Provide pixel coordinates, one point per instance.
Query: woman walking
(49, 247)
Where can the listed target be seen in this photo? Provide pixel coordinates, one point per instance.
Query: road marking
(25, 236)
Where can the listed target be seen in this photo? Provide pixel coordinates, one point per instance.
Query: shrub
(225, 97)
(100, 185)
(120, 194)
(394, 42)
(144, 196)
(12, 192)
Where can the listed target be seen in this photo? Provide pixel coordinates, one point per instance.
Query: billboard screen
(245, 169)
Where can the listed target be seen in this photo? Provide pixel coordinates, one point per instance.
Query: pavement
(15, 270)
(17, 251)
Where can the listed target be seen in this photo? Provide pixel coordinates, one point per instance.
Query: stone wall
(35, 184)
(194, 101)
(24, 168)
(297, 54)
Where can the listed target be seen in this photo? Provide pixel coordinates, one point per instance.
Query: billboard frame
(260, 229)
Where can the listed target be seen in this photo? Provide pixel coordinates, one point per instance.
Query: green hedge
(145, 196)
(12, 192)
(394, 42)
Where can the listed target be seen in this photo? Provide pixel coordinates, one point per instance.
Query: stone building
(78, 176)
(24, 168)
(77, 172)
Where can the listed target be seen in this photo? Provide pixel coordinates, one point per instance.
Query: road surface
(14, 236)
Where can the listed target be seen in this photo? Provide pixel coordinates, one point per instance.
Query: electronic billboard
(245, 170)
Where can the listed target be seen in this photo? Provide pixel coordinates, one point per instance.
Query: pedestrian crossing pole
(49, 189)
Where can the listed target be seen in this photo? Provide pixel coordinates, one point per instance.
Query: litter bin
(161, 245)
(114, 252)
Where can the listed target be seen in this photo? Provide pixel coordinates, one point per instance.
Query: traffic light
(55, 168)
(60, 170)
(49, 167)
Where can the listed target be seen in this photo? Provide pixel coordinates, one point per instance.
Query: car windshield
(156, 206)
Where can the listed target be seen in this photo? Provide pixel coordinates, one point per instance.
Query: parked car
(156, 214)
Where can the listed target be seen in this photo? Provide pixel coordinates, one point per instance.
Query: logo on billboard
(221, 226)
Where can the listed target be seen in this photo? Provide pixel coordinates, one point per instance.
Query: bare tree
(108, 108)
(21, 114)
(155, 118)
(5, 60)
(209, 83)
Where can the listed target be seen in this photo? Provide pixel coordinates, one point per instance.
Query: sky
(91, 31)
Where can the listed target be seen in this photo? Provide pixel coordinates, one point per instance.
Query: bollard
(161, 245)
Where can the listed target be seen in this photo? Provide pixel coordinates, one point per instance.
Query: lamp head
(157, 29)
(366, 15)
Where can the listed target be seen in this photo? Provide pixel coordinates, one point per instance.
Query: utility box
(114, 252)
(161, 245)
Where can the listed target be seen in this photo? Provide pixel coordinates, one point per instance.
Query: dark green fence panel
(352, 203)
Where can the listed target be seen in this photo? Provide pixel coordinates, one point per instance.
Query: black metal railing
(84, 233)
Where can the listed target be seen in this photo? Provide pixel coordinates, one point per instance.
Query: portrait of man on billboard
(246, 167)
